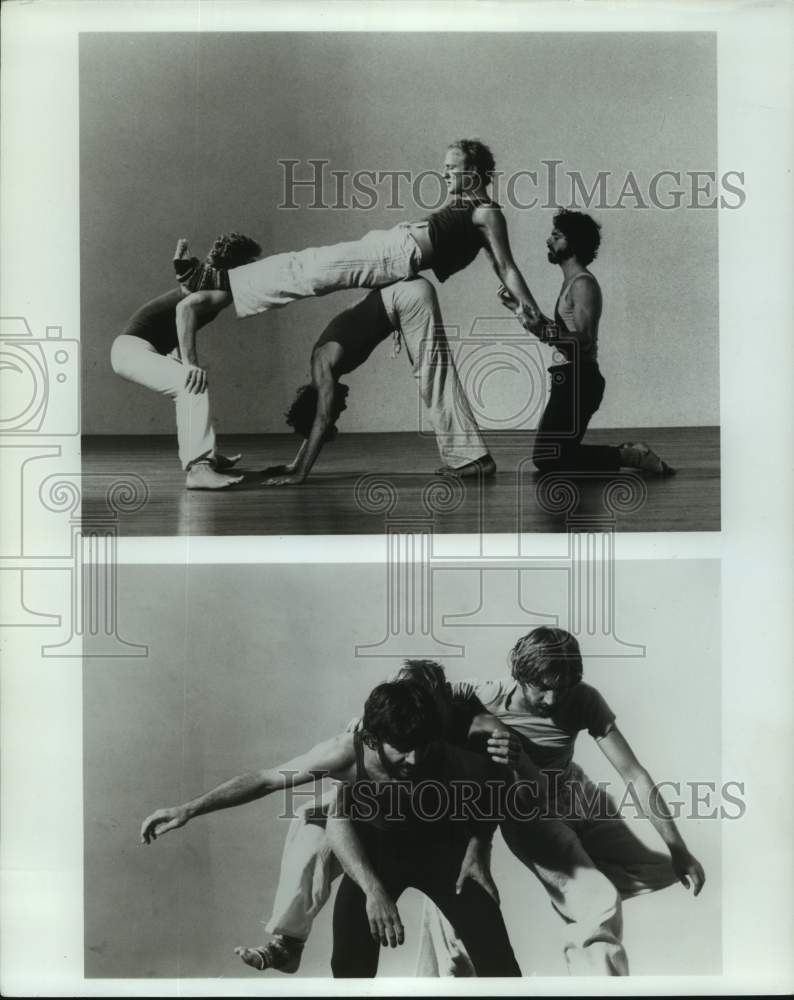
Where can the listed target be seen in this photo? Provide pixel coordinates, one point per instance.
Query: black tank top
(155, 321)
(358, 331)
(456, 240)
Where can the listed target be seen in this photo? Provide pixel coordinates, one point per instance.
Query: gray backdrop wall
(250, 665)
(181, 134)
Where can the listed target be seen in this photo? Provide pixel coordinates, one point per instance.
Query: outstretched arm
(618, 752)
(324, 380)
(194, 311)
(491, 222)
(332, 757)
(384, 919)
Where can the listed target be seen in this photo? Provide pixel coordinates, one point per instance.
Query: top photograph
(337, 282)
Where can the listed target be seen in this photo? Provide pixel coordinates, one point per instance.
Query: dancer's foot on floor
(223, 462)
(637, 455)
(281, 952)
(202, 476)
(481, 468)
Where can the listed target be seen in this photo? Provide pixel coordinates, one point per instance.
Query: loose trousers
(137, 360)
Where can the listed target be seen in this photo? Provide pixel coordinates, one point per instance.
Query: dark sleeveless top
(358, 331)
(456, 240)
(155, 322)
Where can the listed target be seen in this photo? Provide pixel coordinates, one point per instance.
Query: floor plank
(362, 478)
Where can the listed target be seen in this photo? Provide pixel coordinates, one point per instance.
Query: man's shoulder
(486, 690)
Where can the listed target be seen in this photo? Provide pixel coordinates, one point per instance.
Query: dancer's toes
(226, 461)
(202, 476)
(638, 455)
(282, 953)
(481, 467)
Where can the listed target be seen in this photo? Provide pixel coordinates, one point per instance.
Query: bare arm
(586, 301)
(384, 919)
(618, 752)
(332, 757)
(494, 228)
(324, 380)
(194, 311)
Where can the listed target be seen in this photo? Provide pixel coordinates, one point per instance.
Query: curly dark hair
(232, 250)
(426, 672)
(403, 714)
(300, 416)
(478, 157)
(582, 232)
(547, 658)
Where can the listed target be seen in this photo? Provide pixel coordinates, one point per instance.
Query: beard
(558, 256)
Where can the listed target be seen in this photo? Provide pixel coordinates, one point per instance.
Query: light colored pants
(379, 258)
(136, 359)
(412, 306)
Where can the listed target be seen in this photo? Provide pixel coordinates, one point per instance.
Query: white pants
(412, 306)
(378, 259)
(136, 359)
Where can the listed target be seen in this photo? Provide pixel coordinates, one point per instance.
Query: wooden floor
(364, 481)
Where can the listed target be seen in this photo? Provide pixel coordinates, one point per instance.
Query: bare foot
(282, 953)
(481, 467)
(638, 455)
(226, 461)
(202, 476)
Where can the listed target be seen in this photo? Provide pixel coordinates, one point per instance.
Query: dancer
(447, 241)
(410, 310)
(577, 385)
(418, 843)
(401, 722)
(547, 705)
(157, 349)
(585, 898)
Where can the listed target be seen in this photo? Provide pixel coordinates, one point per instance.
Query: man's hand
(476, 865)
(161, 822)
(384, 920)
(355, 725)
(506, 298)
(688, 869)
(504, 748)
(289, 479)
(195, 379)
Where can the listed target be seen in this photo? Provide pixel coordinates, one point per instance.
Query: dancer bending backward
(410, 310)
(446, 242)
(577, 385)
(157, 349)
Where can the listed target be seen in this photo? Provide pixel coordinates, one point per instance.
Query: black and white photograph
(395, 484)
(202, 812)
(403, 254)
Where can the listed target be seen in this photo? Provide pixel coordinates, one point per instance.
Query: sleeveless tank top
(358, 331)
(155, 322)
(456, 240)
(564, 318)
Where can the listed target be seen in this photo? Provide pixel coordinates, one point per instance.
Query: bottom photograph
(359, 770)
